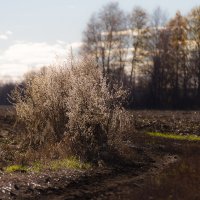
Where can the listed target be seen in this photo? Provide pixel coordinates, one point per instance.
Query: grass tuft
(70, 163)
(37, 167)
(16, 168)
(67, 163)
(174, 136)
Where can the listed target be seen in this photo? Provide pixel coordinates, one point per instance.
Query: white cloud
(9, 32)
(5, 35)
(76, 45)
(24, 56)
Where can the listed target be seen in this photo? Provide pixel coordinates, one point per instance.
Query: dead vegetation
(72, 109)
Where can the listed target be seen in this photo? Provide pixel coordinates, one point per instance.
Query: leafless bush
(72, 103)
(40, 106)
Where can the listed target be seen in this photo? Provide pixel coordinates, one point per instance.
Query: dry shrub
(72, 103)
(40, 107)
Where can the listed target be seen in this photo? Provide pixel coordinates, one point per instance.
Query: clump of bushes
(72, 105)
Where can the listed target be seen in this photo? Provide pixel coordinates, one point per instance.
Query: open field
(162, 168)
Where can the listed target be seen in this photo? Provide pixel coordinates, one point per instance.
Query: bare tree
(92, 41)
(103, 39)
(138, 26)
(158, 47)
(111, 17)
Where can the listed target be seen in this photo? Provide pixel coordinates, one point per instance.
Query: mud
(161, 168)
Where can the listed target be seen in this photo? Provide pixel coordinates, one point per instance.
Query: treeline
(157, 59)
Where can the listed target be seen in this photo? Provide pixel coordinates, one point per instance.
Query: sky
(34, 33)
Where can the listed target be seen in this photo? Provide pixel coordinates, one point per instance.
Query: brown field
(161, 169)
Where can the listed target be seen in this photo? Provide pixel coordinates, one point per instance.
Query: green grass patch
(174, 136)
(16, 168)
(67, 163)
(37, 167)
(70, 163)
